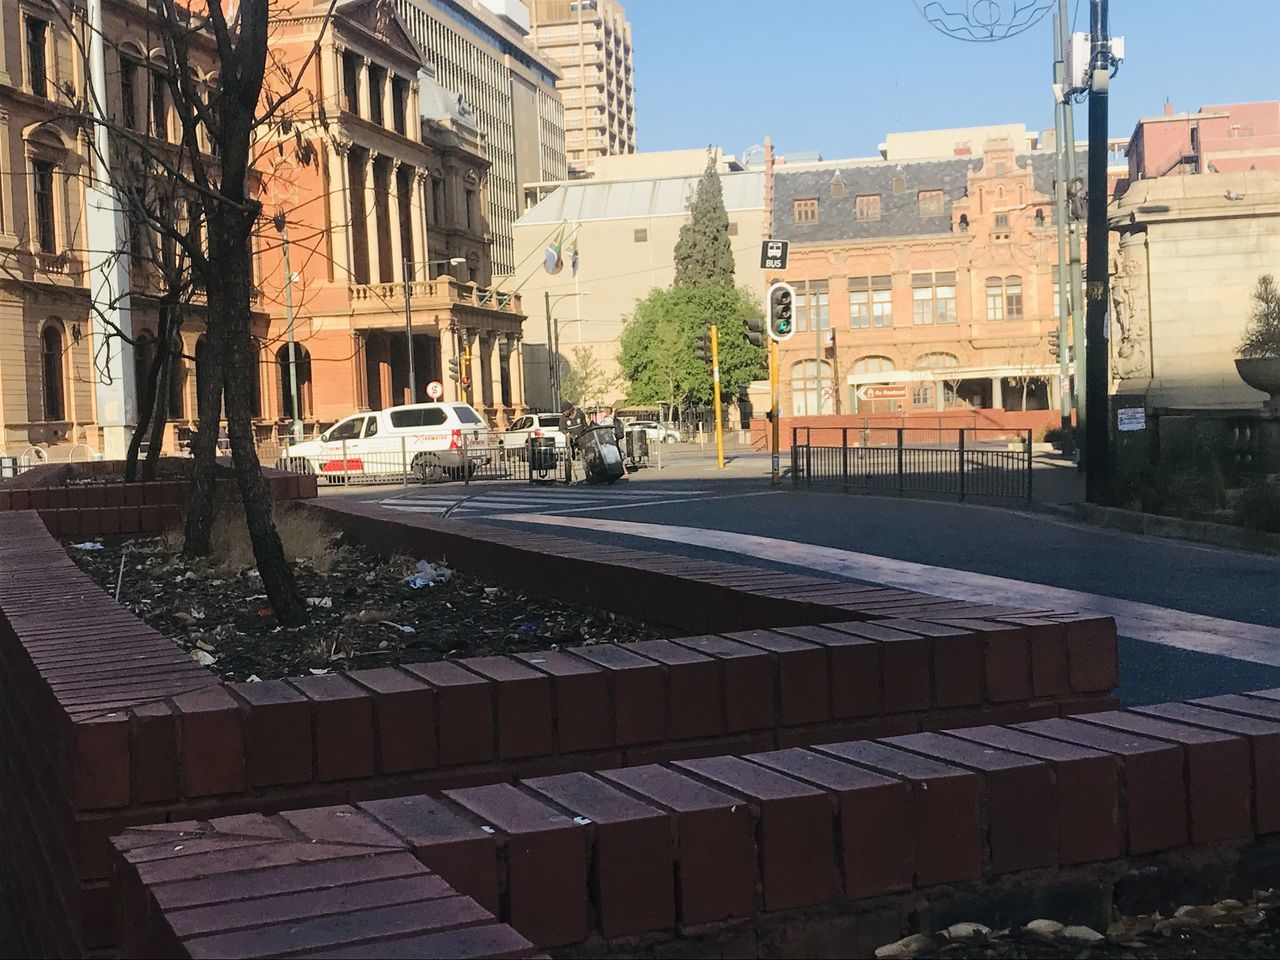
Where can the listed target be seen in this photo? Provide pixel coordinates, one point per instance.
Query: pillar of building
(515, 371)
(448, 351)
(393, 219)
(371, 217)
(339, 210)
(362, 89)
(474, 370)
(417, 218)
(494, 352)
(940, 395)
(997, 393)
(388, 103)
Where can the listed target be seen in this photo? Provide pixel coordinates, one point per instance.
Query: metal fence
(352, 465)
(962, 463)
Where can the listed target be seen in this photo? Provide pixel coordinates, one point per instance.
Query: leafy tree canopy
(658, 343)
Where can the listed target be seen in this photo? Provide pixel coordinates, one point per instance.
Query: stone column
(515, 365)
(474, 371)
(393, 220)
(388, 120)
(417, 217)
(340, 211)
(362, 89)
(371, 216)
(494, 352)
(331, 76)
(449, 350)
(997, 393)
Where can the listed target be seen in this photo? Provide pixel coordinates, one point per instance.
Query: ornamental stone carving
(1131, 313)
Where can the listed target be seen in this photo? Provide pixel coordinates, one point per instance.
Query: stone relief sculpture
(1131, 329)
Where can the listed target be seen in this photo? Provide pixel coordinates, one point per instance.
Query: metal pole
(295, 428)
(961, 463)
(773, 406)
(408, 330)
(1060, 219)
(1030, 466)
(551, 360)
(715, 393)
(555, 360)
(1076, 317)
(900, 464)
(817, 349)
(1097, 437)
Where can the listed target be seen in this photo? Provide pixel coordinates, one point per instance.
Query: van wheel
(427, 469)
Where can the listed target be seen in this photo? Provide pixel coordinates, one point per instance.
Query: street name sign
(773, 255)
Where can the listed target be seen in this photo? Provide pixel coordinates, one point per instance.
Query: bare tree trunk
(170, 326)
(150, 397)
(202, 502)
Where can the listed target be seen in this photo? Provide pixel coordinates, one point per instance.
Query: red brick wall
(984, 824)
(107, 724)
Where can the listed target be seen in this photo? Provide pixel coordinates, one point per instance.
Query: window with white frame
(813, 308)
(933, 298)
(810, 379)
(870, 302)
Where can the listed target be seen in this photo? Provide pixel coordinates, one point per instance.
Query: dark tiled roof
(899, 212)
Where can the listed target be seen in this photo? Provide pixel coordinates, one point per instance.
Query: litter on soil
(366, 610)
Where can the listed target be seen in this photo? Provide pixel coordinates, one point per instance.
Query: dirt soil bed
(367, 610)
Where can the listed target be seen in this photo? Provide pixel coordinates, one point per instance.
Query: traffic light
(455, 369)
(782, 324)
(755, 331)
(1055, 344)
(702, 347)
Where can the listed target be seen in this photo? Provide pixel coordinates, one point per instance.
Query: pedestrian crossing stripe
(508, 501)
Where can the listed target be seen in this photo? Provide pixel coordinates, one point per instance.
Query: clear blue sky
(836, 75)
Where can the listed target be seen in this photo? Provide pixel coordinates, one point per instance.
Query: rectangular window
(944, 292)
(868, 206)
(1013, 298)
(42, 171)
(870, 302)
(1002, 221)
(377, 84)
(805, 211)
(471, 205)
(933, 298)
(399, 104)
(931, 203)
(351, 81)
(640, 236)
(813, 308)
(995, 299)
(1057, 303)
(437, 201)
(37, 60)
(129, 93)
(922, 395)
(159, 104)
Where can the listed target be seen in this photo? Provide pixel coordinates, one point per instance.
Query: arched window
(53, 373)
(303, 365)
(873, 365)
(805, 398)
(1039, 216)
(936, 361)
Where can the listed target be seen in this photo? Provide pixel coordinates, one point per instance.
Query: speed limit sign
(435, 390)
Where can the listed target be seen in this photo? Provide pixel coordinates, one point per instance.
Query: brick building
(396, 195)
(1229, 138)
(927, 269)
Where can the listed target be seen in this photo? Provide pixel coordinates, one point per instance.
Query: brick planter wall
(107, 724)
(115, 508)
(808, 852)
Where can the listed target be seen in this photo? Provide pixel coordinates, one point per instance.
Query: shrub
(1262, 335)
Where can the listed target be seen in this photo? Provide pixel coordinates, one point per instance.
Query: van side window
(418, 417)
(371, 427)
(347, 429)
(467, 415)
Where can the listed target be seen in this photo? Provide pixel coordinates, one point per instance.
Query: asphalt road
(1012, 544)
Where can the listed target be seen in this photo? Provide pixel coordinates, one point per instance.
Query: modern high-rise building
(591, 40)
(481, 51)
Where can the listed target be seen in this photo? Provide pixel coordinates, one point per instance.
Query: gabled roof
(379, 18)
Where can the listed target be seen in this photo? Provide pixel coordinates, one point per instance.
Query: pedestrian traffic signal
(702, 347)
(782, 325)
(755, 331)
(455, 370)
(1055, 344)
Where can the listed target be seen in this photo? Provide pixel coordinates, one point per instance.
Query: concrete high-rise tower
(591, 40)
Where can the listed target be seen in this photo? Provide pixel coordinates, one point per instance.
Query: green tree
(583, 380)
(703, 252)
(658, 340)
(1262, 335)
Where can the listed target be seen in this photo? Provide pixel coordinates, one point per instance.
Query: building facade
(393, 207)
(591, 40)
(510, 88)
(934, 275)
(624, 222)
(1228, 138)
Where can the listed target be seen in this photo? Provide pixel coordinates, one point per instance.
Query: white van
(435, 440)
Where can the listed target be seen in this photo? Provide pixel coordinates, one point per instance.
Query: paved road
(1197, 620)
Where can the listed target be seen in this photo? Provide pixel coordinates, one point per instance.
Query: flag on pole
(554, 259)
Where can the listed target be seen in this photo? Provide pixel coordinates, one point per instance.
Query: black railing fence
(971, 462)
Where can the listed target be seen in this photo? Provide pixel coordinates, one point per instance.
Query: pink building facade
(1228, 138)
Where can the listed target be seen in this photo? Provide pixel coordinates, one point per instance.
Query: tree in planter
(704, 253)
(214, 169)
(584, 381)
(1262, 335)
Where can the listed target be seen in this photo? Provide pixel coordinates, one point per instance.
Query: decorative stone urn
(1262, 373)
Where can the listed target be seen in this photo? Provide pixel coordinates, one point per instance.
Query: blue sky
(836, 75)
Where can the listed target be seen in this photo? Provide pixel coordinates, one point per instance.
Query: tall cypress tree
(703, 253)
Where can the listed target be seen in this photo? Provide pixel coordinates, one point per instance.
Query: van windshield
(467, 415)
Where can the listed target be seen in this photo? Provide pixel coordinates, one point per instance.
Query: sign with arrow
(883, 391)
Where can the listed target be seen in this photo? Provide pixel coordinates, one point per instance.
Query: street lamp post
(295, 428)
(408, 316)
(553, 344)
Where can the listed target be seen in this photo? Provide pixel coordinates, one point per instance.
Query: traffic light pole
(1097, 379)
(1060, 219)
(715, 394)
(551, 357)
(773, 407)
(408, 329)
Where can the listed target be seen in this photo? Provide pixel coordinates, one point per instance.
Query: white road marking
(1141, 621)
(485, 502)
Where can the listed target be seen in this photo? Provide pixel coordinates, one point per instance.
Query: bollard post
(844, 458)
(404, 460)
(1030, 468)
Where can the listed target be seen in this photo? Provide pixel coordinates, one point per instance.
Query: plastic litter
(203, 658)
(319, 671)
(325, 602)
(401, 627)
(428, 574)
(88, 545)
